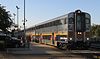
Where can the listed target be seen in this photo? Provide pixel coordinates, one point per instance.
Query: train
(69, 31)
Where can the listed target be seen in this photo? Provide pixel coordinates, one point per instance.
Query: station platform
(37, 48)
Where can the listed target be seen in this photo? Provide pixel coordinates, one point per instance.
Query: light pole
(17, 16)
(24, 26)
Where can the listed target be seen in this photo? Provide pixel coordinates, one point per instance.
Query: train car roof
(56, 18)
(50, 20)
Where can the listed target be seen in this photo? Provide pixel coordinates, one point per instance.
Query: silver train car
(69, 31)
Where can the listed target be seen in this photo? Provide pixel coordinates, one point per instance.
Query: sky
(38, 11)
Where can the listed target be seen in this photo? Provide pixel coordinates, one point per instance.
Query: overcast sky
(41, 10)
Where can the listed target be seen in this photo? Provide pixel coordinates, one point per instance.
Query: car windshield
(62, 40)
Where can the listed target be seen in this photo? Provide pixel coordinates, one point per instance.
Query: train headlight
(70, 38)
(87, 38)
(79, 33)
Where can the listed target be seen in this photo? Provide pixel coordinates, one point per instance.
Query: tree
(95, 30)
(5, 20)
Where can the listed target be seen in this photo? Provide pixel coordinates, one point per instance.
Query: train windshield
(78, 23)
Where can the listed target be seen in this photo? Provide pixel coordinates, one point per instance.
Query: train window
(62, 21)
(41, 26)
(55, 23)
(58, 22)
(87, 15)
(78, 23)
(50, 23)
(87, 21)
(47, 37)
(87, 26)
(44, 25)
(65, 21)
(47, 24)
(71, 15)
(71, 20)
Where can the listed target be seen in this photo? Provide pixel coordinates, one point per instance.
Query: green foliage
(5, 20)
(95, 30)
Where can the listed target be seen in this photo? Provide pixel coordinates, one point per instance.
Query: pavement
(42, 49)
(37, 50)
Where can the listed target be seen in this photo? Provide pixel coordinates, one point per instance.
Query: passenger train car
(71, 30)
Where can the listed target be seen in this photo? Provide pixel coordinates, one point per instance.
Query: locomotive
(71, 30)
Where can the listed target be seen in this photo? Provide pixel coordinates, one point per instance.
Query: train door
(80, 26)
(79, 29)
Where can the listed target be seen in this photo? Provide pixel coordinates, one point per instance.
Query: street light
(24, 25)
(17, 15)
